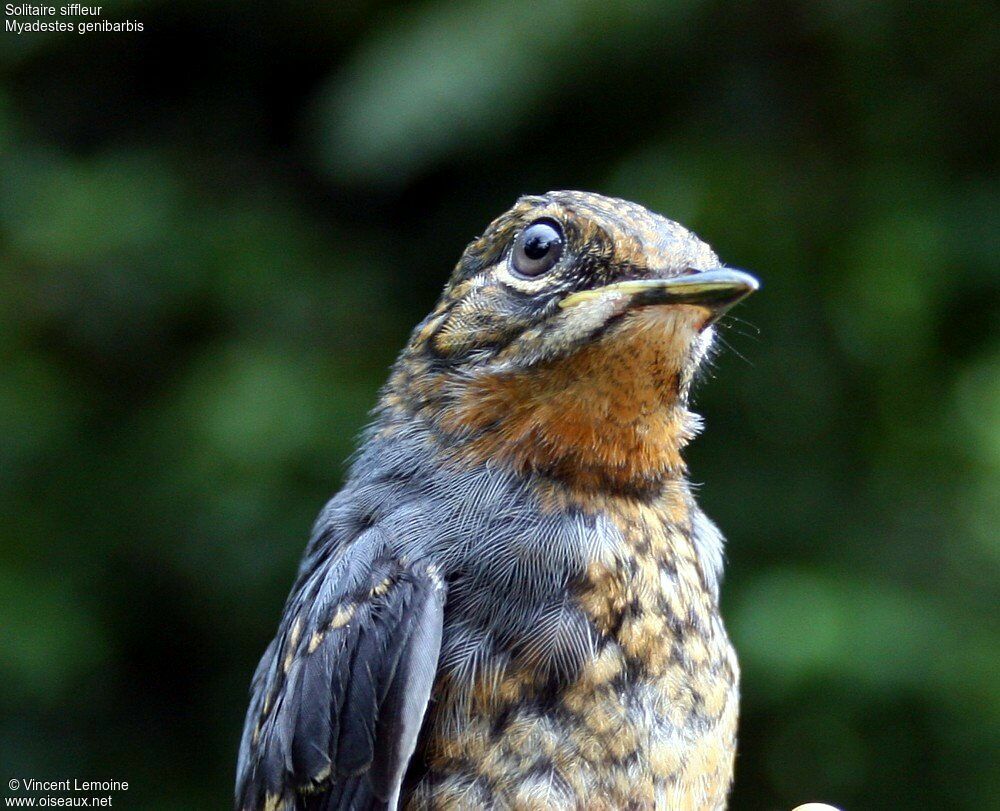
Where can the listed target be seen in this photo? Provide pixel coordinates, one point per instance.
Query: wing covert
(339, 697)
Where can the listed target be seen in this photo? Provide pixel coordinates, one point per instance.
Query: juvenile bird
(513, 601)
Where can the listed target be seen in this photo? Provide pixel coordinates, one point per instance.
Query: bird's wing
(339, 696)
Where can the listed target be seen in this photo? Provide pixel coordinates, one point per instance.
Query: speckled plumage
(515, 584)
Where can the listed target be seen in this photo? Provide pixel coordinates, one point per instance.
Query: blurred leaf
(795, 626)
(50, 639)
(68, 213)
(449, 76)
(978, 407)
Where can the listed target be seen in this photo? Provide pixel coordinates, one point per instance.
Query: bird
(513, 601)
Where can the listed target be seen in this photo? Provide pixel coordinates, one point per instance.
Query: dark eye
(538, 248)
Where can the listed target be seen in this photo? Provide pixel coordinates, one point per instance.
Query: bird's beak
(714, 290)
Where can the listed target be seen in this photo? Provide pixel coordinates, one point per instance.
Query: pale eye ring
(537, 248)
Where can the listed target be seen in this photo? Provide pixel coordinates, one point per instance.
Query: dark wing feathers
(403, 707)
(340, 695)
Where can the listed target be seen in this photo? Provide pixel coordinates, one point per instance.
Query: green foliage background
(215, 236)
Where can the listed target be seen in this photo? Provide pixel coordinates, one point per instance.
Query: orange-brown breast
(609, 416)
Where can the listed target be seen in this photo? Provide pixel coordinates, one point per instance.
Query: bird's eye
(538, 248)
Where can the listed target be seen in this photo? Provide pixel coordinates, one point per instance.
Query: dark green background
(217, 234)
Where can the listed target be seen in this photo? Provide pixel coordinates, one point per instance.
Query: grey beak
(715, 290)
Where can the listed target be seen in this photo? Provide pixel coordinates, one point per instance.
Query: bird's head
(573, 324)
(565, 270)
